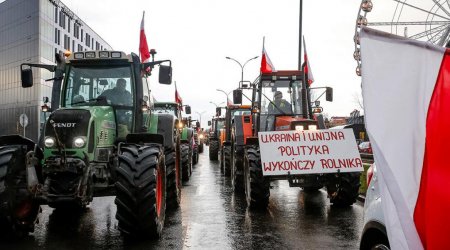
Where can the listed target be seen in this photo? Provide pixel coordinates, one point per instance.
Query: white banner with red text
(309, 152)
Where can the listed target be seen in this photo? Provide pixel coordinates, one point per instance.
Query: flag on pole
(266, 64)
(178, 97)
(406, 92)
(307, 67)
(143, 46)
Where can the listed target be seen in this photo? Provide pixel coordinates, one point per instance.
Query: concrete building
(32, 31)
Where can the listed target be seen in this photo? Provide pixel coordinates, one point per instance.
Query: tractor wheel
(195, 157)
(227, 160)
(213, 150)
(344, 190)
(237, 173)
(18, 211)
(141, 191)
(311, 189)
(200, 147)
(257, 189)
(173, 168)
(186, 161)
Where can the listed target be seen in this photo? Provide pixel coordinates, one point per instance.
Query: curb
(361, 198)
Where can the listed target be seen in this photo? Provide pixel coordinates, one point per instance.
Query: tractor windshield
(93, 86)
(165, 109)
(279, 98)
(219, 125)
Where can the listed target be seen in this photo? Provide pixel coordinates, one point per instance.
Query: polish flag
(266, 65)
(178, 97)
(143, 46)
(406, 91)
(307, 67)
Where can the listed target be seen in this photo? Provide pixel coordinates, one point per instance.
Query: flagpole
(300, 36)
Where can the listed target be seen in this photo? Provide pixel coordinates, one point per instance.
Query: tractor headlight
(201, 136)
(312, 127)
(49, 142)
(79, 142)
(299, 127)
(180, 125)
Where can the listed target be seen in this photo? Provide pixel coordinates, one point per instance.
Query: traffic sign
(23, 120)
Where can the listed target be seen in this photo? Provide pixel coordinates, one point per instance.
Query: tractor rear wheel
(227, 160)
(237, 173)
(213, 150)
(173, 168)
(200, 147)
(141, 191)
(257, 188)
(18, 211)
(186, 161)
(344, 189)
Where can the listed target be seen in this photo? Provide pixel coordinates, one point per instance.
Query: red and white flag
(307, 67)
(266, 64)
(178, 97)
(406, 91)
(143, 46)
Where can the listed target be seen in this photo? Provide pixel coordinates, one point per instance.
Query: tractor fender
(164, 125)
(142, 138)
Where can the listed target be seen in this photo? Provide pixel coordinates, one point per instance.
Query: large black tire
(186, 161)
(257, 188)
(237, 169)
(344, 190)
(195, 157)
(227, 160)
(173, 168)
(18, 210)
(141, 191)
(213, 150)
(200, 147)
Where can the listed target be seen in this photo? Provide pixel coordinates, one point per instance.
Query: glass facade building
(32, 31)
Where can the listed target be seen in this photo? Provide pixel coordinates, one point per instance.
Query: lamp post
(200, 115)
(217, 105)
(227, 94)
(242, 66)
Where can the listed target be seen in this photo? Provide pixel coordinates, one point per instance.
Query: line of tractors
(103, 137)
(233, 138)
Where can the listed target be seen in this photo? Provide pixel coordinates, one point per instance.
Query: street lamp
(242, 66)
(217, 105)
(200, 115)
(227, 94)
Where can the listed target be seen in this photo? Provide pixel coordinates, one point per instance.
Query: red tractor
(290, 109)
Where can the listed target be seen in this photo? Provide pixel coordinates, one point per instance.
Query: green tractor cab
(100, 139)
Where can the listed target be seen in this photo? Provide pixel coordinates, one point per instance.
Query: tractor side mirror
(197, 124)
(329, 94)
(218, 111)
(188, 110)
(209, 123)
(237, 96)
(27, 77)
(165, 74)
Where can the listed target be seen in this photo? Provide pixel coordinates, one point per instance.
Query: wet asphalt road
(210, 217)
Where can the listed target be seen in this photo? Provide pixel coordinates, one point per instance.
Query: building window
(80, 48)
(88, 40)
(68, 25)
(56, 14)
(73, 45)
(82, 34)
(62, 20)
(59, 37)
(92, 44)
(56, 35)
(97, 46)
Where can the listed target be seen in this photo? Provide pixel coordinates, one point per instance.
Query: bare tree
(358, 99)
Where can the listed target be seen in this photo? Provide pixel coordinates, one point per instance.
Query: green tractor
(217, 123)
(188, 146)
(99, 140)
(186, 134)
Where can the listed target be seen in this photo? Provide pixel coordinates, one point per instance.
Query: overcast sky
(197, 35)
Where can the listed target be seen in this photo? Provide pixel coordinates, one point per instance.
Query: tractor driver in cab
(279, 105)
(119, 95)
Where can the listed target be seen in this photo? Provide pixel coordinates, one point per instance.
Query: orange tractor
(226, 145)
(291, 111)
